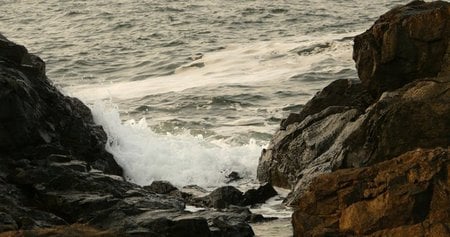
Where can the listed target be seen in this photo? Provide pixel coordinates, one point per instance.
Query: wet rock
(224, 196)
(34, 113)
(407, 43)
(405, 196)
(233, 176)
(339, 93)
(62, 231)
(54, 170)
(260, 195)
(161, 187)
(356, 133)
(378, 164)
(227, 196)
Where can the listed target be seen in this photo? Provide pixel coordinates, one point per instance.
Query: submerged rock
(55, 172)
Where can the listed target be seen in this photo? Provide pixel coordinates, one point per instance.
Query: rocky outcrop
(55, 172)
(333, 152)
(405, 44)
(405, 196)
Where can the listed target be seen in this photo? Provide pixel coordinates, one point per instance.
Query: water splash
(181, 159)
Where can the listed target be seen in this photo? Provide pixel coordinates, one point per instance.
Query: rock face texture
(405, 44)
(54, 170)
(350, 157)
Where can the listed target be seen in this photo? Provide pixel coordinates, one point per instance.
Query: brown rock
(388, 199)
(406, 43)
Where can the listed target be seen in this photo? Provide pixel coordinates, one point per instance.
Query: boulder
(259, 195)
(405, 196)
(314, 143)
(223, 197)
(406, 43)
(36, 120)
(373, 159)
(355, 132)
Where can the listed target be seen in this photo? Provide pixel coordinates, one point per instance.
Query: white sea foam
(239, 63)
(182, 159)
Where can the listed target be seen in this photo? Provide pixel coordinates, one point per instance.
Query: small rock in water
(260, 195)
(233, 176)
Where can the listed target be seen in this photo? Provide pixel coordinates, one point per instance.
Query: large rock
(54, 170)
(407, 43)
(338, 154)
(352, 132)
(405, 196)
(36, 120)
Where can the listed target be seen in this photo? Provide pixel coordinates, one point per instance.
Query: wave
(182, 159)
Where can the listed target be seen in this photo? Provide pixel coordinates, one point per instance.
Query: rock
(378, 164)
(351, 132)
(161, 187)
(62, 231)
(223, 197)
(233, 176)
(339, 93)
(405, 196)
(315, 143)
(34, 114)
(226, 196)
(260, 195)
(406, 43)
(56, 174)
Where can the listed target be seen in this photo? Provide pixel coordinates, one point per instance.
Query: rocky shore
(371, 157)
(57, 179)
(362, 158)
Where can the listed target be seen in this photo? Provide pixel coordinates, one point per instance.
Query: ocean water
(189, 91)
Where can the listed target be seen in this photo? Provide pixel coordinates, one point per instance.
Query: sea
(190, 90)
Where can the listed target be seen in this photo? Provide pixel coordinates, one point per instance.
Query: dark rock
(260, 195)
(406, 43)
(233, 176)
(339, 93)
(34, 113)
(55, 171)
(223, 197)
(161, 187)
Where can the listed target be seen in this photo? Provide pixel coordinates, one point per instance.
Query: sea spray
(181, 159)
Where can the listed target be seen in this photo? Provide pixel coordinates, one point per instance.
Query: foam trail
(183, 159)
(243, 63)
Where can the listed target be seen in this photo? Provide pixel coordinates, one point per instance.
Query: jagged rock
(54, 170)
(405, 196)
(340, 160)
(36, 120)
(416, 115)
(315, 143)
(407, 43)
(339, 93)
